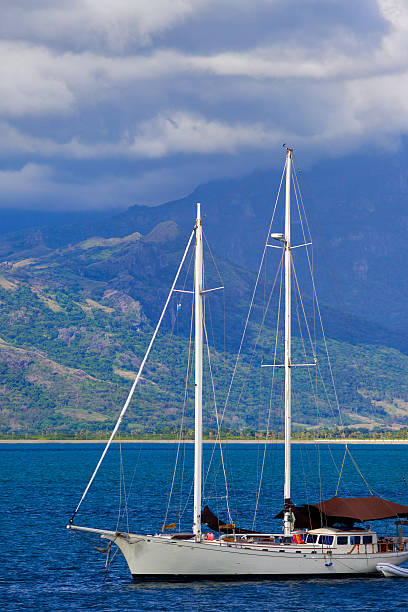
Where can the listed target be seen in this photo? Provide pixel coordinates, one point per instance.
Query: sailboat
(316, 540)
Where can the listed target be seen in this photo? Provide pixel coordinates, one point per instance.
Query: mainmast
(288, 517)
(198, 437)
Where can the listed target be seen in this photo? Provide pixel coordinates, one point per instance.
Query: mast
(198, 398)
(288, 517)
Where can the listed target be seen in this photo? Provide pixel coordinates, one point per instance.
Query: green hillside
(76, 320)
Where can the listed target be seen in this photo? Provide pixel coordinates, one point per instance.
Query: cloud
(21, 187)
(93, 23)
(42, 187)
(142, 85)
(188, 133)
(167, 134)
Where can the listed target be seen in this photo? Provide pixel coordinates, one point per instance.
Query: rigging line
(303, 344)
(327, 355)
(260, 422)
(133, 476)
(311, 470)
(359, 471)
(270, 399)
(253, 293)
(263, 322)
(314, 392)
(341, 471)
(306, 239)
(324, 336)
(259, 425)
(182, 425)
(303, 308)
(188, 498)
(339, 296)
(182, 511)
(187, 378)
(207, 308)
(321, 320)
(317, 362)
(305, 484)
(125, 507)
(319, 468)
(298, 297)
(207, 303)
(183, 463)
(188, 270)
(213, 258)
(175, 319)
(120, 489)
(132, 390)
(217, 420)
(121, 512)
(224, 302)
(180, 298)
(249, 313)
(295, 178)
(250, 360)
(315, 399)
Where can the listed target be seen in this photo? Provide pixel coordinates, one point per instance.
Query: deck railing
(392, 546)
(382, 547)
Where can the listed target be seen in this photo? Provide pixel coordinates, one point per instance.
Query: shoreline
(135, 441)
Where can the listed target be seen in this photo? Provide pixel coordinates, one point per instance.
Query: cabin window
(326, 539)
(311, 538)
(354, 540)
(367, 539)
(342, 540)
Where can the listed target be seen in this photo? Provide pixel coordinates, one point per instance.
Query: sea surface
(45, 567)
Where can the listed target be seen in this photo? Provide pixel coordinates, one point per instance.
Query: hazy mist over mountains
(97, 283)
(357, 208)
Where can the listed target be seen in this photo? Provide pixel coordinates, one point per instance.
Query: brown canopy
(345, 511)
(362, 509)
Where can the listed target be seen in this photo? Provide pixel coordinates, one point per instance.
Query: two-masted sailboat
(316, 540)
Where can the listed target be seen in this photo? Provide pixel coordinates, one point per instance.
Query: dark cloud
(244, 25)
(107, 103)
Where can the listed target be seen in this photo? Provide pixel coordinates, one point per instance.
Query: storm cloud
(109, 103)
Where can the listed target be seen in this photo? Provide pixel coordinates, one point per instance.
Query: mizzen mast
(288, 517)
(198, 398)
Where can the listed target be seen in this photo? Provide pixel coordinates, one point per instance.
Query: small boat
(319, 539)
(389, 570)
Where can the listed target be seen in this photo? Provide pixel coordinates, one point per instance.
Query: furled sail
(213, 522)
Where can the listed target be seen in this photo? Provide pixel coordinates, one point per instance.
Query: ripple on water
(43, 567)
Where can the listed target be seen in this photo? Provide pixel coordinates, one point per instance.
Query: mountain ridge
(93, 306)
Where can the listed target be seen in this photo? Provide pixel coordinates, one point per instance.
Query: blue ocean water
(45, 567)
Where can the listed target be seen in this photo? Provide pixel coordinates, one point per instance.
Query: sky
(109, 103)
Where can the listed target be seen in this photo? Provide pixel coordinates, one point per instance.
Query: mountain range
(80, 296)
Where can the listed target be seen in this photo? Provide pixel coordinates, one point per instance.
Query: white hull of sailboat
(152, 557)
